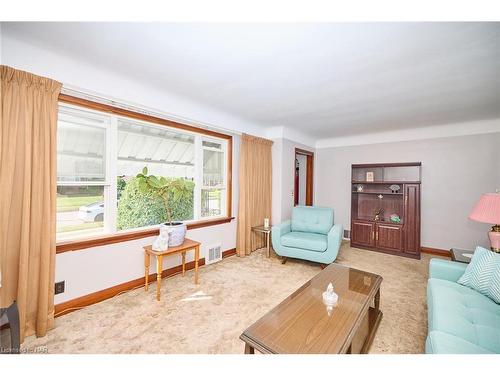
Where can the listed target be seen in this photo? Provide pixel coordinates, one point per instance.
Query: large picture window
(99, 156)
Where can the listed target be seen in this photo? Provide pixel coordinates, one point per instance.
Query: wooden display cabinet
(372, 189)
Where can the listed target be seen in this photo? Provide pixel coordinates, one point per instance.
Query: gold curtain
(254, 201)
(28, 196)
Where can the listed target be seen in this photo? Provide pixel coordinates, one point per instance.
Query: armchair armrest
(446, 269)
(335, 236)
(277, 231)
(281, 229)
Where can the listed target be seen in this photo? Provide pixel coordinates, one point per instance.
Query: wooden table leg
(377, 301)
(146, 270)
(267, 245)
(159, 266)
(249, 349)
(196, 259)
(183, 263)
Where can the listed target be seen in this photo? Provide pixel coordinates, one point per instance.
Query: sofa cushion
(312, 219)
(305, 240)
(463, 312)
(483, 273)
(443, 343)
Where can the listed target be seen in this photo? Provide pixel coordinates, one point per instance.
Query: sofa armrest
(446, 269)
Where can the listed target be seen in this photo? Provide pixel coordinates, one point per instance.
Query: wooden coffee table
(302, 323)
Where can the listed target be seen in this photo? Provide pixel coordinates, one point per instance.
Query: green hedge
(136, 209)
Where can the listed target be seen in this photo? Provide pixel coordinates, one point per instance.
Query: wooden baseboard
(434, 251)
(89, 299)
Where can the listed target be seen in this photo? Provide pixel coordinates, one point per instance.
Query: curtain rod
(83, 94)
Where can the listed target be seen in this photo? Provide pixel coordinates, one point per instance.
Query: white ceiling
(326, 80)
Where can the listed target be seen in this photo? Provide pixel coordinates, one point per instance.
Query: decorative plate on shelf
(394, 188)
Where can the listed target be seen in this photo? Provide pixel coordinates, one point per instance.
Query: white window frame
(106, 183)
(110, 180)
(223, 186)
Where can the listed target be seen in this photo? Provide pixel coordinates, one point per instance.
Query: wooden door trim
(309, 173)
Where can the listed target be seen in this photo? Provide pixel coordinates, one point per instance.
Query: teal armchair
(309, 235)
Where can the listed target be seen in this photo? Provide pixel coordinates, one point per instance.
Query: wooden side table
(267, 236)
(186, 246)
(461, 255)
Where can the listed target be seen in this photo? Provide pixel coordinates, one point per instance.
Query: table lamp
(487, 210)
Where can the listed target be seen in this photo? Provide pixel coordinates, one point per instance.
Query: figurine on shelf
(377, 213)
(330, 299)
(359, 188)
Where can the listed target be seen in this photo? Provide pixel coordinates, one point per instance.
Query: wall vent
(214, 254)
(347, 233)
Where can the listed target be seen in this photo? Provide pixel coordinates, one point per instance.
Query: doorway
(303, 182)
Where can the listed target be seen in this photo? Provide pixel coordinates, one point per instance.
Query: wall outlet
(59, 287)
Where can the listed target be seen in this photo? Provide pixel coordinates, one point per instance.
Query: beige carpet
(233, 293)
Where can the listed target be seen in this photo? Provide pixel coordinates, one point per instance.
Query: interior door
(296, 183)
(307, 167)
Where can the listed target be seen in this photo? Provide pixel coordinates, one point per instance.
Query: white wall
(277, 188)
(1, 59)
(455, 171)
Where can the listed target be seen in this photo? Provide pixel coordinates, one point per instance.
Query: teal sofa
(461, 320)
(309, 235)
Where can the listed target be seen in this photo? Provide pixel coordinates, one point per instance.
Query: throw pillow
(483, 273)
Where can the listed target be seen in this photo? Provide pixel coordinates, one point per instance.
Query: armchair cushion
(312, 219)
(304, 240)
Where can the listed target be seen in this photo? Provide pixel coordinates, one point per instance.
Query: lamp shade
(487, 210)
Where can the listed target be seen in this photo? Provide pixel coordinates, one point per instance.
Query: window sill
(80, 244)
